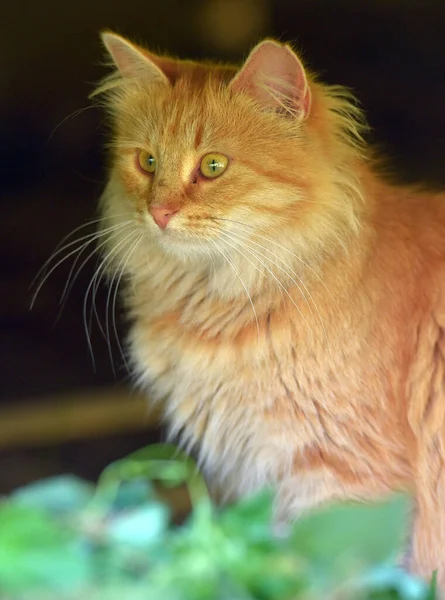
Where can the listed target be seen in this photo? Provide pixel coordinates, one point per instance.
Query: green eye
(214, 164)
(146, 161)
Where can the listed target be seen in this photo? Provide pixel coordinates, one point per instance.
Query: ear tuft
(131, 61)
(274, 75)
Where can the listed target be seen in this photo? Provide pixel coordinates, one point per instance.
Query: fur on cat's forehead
(188, 114)
(185, 103)
(272, 75)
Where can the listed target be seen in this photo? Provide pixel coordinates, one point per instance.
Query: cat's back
(407, 238)
(414, 213)
(404, 278)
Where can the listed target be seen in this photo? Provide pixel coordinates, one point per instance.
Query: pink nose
(162, 215)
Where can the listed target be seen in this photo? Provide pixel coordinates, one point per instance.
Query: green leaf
(163, 462)
(125, 546)
(432, 592)
(134, 493)
(34, 551)
(139, 528)
(60, 494)
(351, 536)
(388, 577)
(250, 518)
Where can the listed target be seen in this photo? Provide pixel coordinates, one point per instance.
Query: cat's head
(212, 158)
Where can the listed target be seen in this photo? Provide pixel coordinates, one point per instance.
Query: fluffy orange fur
(291, 315)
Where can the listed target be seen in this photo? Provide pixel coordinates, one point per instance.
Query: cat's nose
(162, 215)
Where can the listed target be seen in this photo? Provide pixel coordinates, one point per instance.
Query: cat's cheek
(137, 188)
(129, 181)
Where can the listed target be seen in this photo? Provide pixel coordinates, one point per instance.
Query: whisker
(255, 255)
(124, 263)
(250, 230)
(89, 223)
(110, 254)
(235, 270)
(89, 237)
(249, 261)
(56, 252)
(209, 255)
(70, 116)
(70, 284)
(249, 242)
(39, 287)
(99, 273)
(114, 231)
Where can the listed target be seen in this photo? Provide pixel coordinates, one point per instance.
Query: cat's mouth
(172, 237)
(178, 230)
(188, 243)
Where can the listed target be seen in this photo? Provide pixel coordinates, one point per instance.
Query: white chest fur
(246, 424)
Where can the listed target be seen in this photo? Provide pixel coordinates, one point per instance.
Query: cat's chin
(182, 246)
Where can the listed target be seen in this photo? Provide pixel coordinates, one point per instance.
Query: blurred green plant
(64, 538)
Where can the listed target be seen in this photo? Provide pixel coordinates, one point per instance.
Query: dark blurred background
(52, 170)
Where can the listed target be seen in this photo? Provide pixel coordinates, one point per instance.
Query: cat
(286, 301)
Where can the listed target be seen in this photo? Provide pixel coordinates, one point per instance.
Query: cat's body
(289, 314)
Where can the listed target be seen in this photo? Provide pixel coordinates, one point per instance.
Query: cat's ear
(274, 75)
(133, 61)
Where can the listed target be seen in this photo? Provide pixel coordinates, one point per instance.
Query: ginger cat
(287, 304)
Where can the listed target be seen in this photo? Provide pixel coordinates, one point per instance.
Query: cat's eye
(146, 161)
(214, 164)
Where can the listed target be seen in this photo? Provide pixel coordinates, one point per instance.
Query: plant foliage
(64, 538)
